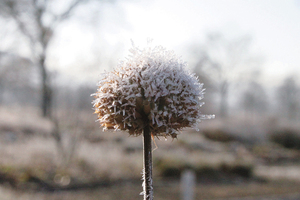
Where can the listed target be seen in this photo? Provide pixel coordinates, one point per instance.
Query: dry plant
(150, 93)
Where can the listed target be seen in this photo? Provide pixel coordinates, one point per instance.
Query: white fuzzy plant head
(151, 87)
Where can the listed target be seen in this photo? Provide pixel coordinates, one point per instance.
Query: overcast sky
(274, 26)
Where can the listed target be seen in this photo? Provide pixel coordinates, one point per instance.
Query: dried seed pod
(152, 87)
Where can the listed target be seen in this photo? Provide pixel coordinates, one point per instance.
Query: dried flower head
(152, 87)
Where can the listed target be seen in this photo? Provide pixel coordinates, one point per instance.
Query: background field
(245, 52)
(88, 163)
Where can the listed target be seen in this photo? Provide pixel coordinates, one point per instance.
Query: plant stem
(147, 172)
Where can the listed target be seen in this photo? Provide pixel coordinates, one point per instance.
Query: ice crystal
(151, 87)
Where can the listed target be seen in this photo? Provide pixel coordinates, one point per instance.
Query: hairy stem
(147, 172)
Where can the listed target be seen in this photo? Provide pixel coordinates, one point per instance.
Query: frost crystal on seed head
(151, 87)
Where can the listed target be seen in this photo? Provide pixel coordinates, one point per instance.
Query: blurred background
(245, 52)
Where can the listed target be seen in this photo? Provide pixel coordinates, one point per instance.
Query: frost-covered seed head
(151, 87)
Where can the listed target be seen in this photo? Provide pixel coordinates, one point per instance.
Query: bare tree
(254, 99)
(38, 20)
(210, 88)
(288, 98)
(224, 61)
(16, 74)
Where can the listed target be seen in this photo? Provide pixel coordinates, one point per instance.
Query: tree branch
(67, 13)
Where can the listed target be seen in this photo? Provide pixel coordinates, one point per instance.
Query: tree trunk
(1, 92)
(46, 100)
(224, 99)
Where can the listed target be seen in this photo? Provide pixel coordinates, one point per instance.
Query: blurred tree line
(231, 75)
(37, 21)
(227, 66)
(28, 29)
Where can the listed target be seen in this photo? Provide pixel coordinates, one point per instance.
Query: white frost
(156, 75)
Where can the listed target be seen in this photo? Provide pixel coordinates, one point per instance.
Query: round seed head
(151, 87)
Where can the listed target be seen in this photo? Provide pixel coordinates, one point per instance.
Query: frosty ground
(228, 162)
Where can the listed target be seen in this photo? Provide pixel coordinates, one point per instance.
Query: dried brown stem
(147, 172)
